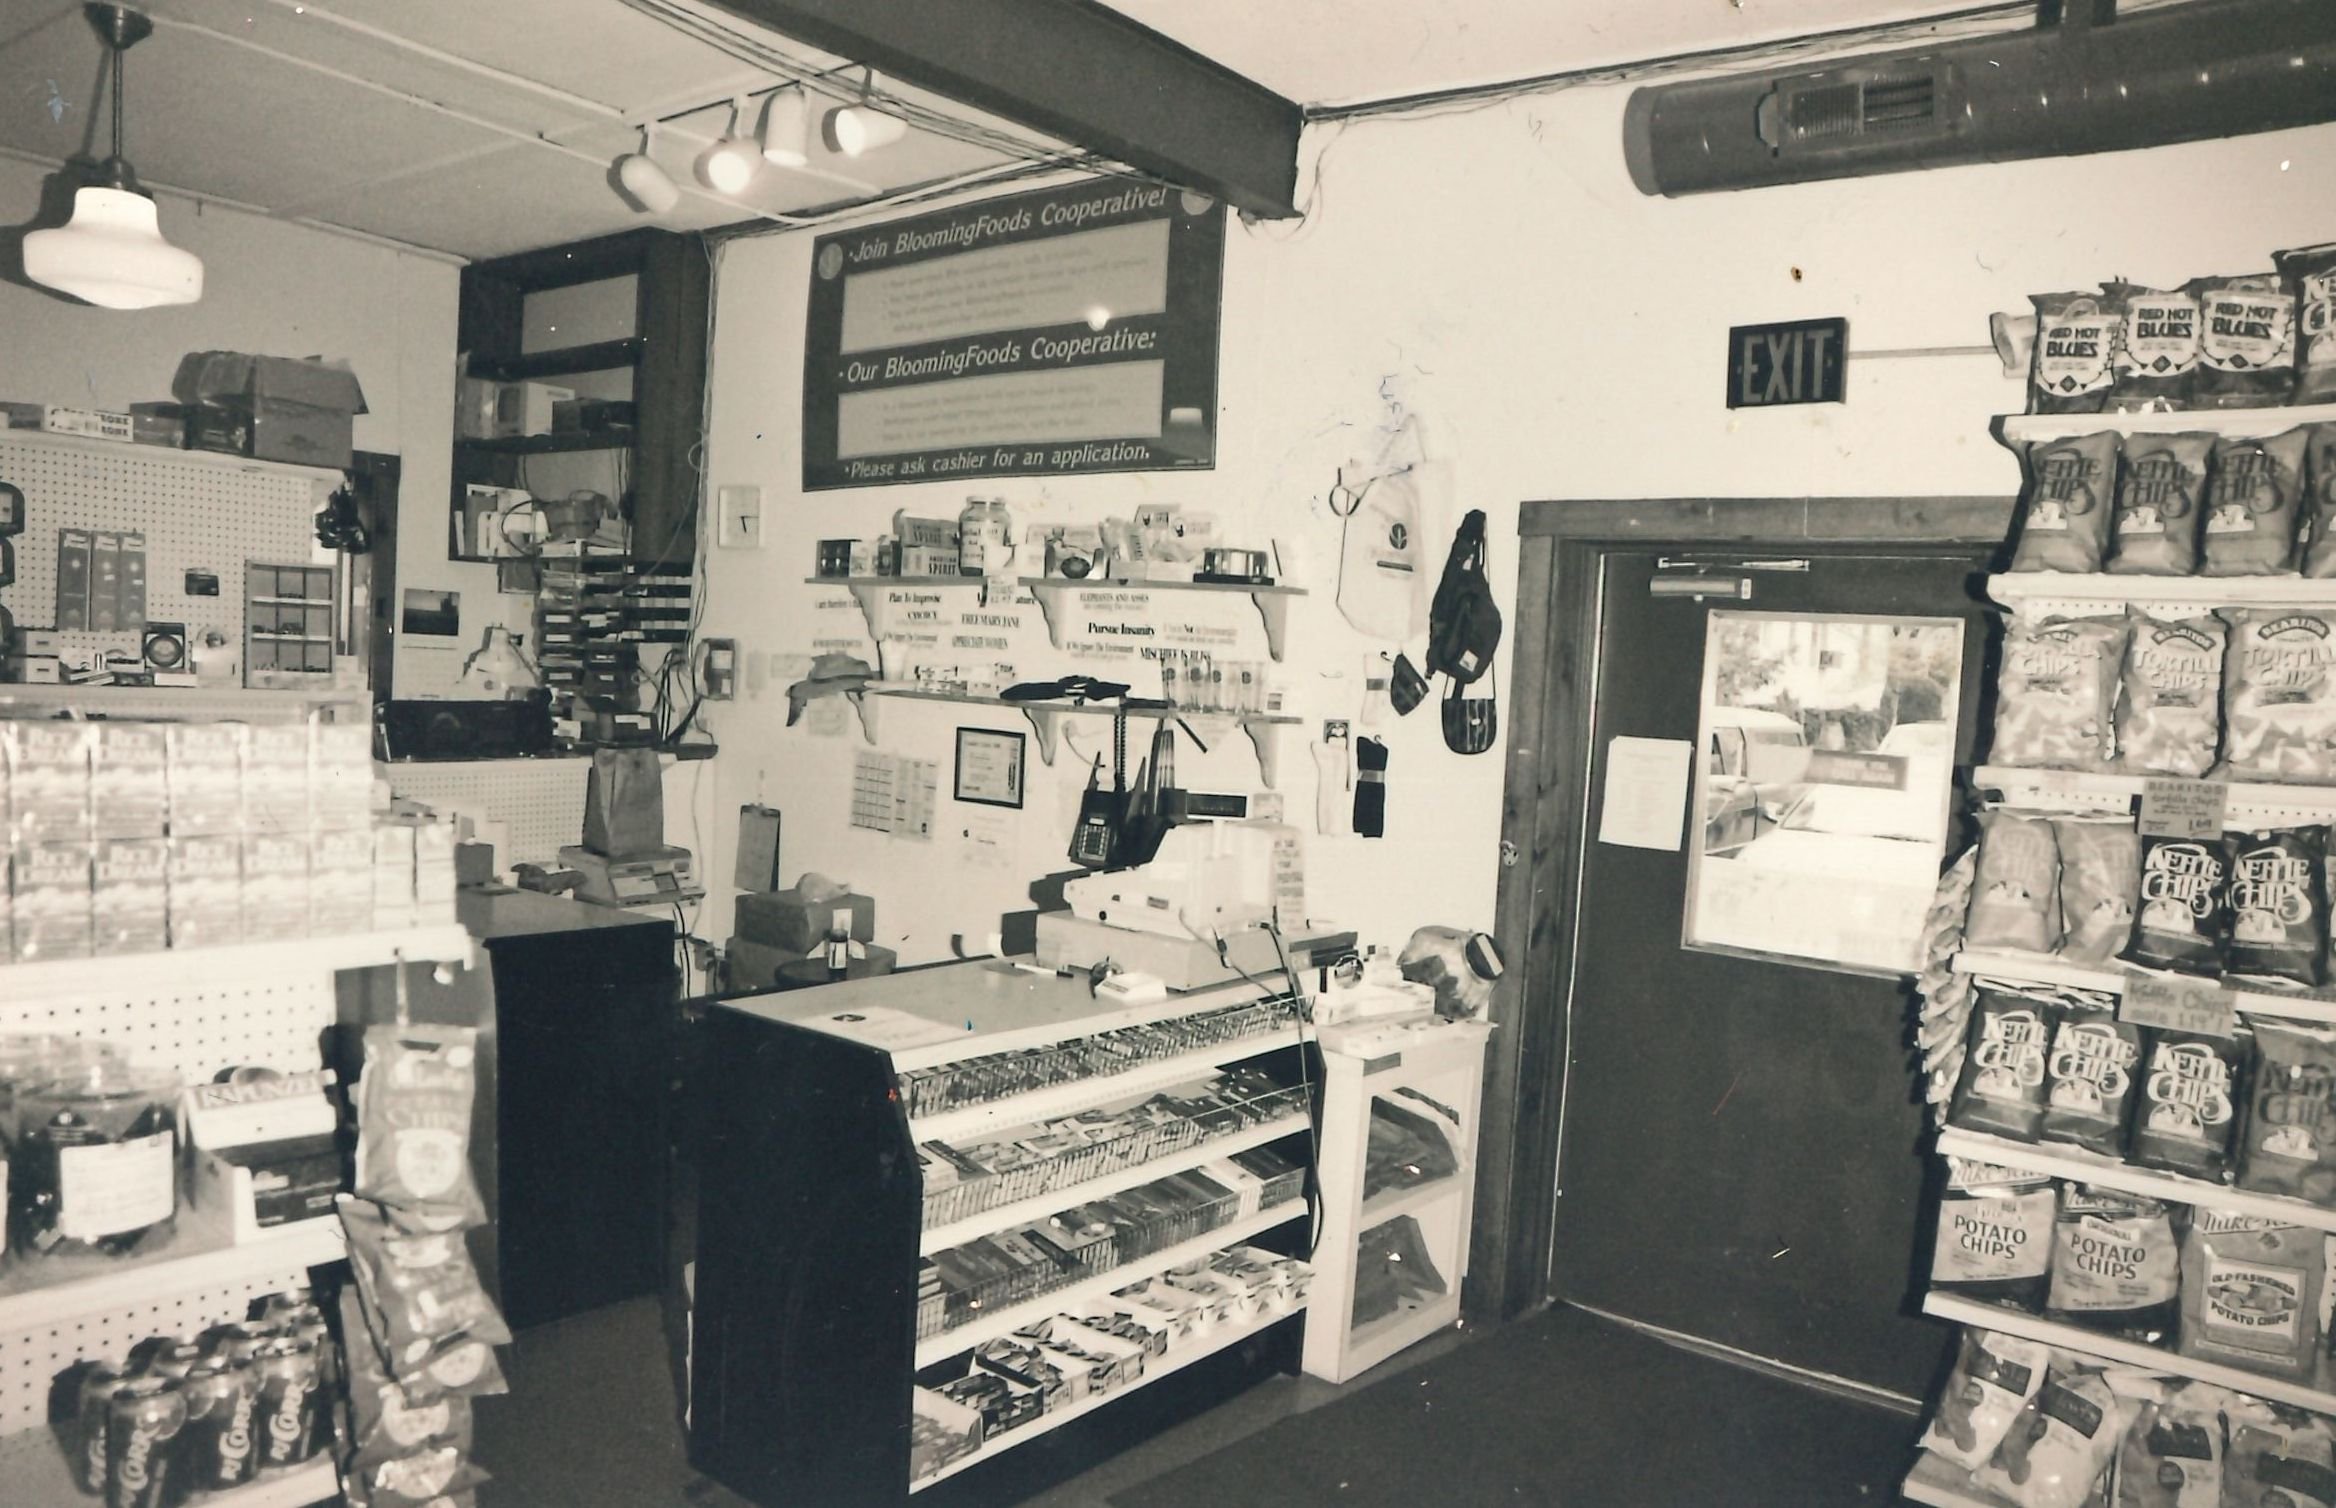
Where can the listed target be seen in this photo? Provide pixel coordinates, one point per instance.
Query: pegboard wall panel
(541, 801)
(278, 1022)
(196, 514)
(31, 1360)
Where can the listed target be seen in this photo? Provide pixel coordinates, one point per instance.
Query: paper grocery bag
(624, 806)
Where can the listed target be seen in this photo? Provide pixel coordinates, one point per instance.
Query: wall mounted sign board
(1041, 334)
(1798, 361)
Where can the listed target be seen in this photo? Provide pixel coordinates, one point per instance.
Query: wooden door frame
(1561, 548)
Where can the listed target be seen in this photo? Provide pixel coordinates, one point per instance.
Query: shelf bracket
(1049, 598)
(1044, 721)
(870, 596)
(1274, 608)
(1266, 739)
(865, 705)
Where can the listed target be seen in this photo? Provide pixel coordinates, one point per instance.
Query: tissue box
(785, 919)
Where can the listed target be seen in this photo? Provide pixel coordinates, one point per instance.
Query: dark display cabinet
(852, 1188)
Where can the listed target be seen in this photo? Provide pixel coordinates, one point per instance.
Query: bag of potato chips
(2169, 720)
(413, 1119)
(2191, 1088)
(2015, 894)
(2290, 1145)
(2246, 342)
(2100, 874)
(2279, 910)
(2251, 1293)
(2062, 1442)
(2173, 1456)
(2157, 348)
(2161, 492)
(2254, 504)
(2076, 342)
(1994, 1377)
(2056, 693)
(2090, 1077)
(2279, 695)
(2287, 1453)
(2319, 526)
(2183, 920)
(2002, 1089)
(2311, 278)
(2115, 1265)
(2070, 505)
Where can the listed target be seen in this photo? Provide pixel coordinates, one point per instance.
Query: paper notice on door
(1646, 793)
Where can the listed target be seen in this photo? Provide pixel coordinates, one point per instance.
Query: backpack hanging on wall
(1464, 628)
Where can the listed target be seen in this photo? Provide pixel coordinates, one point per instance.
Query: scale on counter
(656, 877)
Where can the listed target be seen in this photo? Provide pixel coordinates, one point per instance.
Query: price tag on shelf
(2173, 808)
(2178, 1004)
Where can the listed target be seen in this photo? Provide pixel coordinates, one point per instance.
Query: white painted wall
(1563, 337)
(281, 290)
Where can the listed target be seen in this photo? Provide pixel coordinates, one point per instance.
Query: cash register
(650, 877)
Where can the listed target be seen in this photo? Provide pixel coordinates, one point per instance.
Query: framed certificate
(989, 767)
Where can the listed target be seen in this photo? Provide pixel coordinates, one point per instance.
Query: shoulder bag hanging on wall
(1472, 724)
(1464, 624)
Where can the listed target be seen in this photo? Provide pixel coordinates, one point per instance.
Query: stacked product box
(51, 860)
(340, 882)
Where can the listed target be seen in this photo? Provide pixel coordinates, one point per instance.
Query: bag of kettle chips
(2002, 1089)
(2251, 1293)
(2090, 1077)
(2157, 348)
(422, 1295)
(2190, 1090)
(2061, 1442)
(2287, 1454)
(1994, 1239)
(2169, 720)
(1994, 1377)
(413, 1119)
(2279, 912)
(2319, 526)
(2015, 896)
(2056, 692)
(2290, 1143)
(2254, 504)
(2070, 505)
(2076, 343)
(2161, 495)
(2182, 919)
(2279, 695)
(2115, 1264)
(2311, 278)
(2172, 1456)
(2246, 342)
(2100, 874)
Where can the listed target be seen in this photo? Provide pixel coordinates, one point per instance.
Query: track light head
(855, 130)
(786, 129)
(650, 188)
(730, 164)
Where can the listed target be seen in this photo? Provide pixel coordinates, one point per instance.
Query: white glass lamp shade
(856, 129)
(786, 130)
(112, 254)
(730, 164)
(646, 183)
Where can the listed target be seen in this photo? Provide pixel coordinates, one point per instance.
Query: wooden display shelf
(562, 361)
(181, 969)
(34, 1474)
(1272, 602)
(1939, 1483)
(198, 1255)
(2075, 1163)
(2317, 1395)
(1045, 718)
(2099, 592)
(992, 1323)
(1039, 1206)
(1197, 1348)
(972, 1122)
(2317, 1008)
(2020, 429)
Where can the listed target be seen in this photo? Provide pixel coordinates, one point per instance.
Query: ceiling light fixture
(111, 253)
(730, 164)
(855, 130)
(649, 186)
(786, 128)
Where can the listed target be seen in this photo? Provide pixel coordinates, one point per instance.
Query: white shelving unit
(1273, 602)
(199, 1257)
(1432, 1070)
(1263, 729)
(202, 968)
(976, 1121)
(33, 1466)
(2317, 1395)
(1196, 1348)
(2072, 1162)
(2021, 429)
(2315, 1008)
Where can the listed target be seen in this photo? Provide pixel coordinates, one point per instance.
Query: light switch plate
(738, 521)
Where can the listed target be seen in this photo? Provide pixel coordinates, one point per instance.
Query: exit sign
(1796, 362)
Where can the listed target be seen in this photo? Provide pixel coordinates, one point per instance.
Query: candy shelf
(2020, 429)
(1273, 602)
(1197, 1349)
(33, 1472)
(197, 1256)
(2318, 1008)
(996, 1322)
(1039, 1206)
(1938, 1483)
(2316, 1395)
(811, 1244)
(193, 968)
(2072, 1162)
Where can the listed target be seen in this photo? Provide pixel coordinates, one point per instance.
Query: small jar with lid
(95, 1164)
